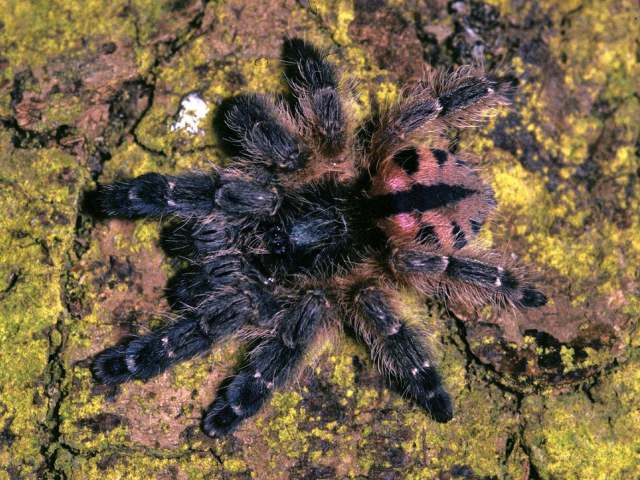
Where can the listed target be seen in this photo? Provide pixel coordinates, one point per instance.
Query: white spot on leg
(131, 363)
(445, 260)
(269, 385)
(395, 328)
(165, 344)
(414, 371)
(257, 375)
(426, 364)
(498, 282)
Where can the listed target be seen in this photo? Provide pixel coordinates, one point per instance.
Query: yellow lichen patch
(284, 431)
(39, 192)
(599, 44)
(572, 437)
(129, 161)
(145, 465)
(337, 15)
(387, 93)
(39, 30)
(470, 439)
(534, 211)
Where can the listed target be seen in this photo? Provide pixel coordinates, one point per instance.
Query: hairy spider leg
(190, 286)
(186, 196)
(215, 305)
(460, 98)
(466, 94)
(263, 133)
(484, 282)
(317, 102)
(270, 364)
(397, 349)
(147, 356)
(197, 239)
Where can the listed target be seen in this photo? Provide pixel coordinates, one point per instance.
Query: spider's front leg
(270, 364)
(186, 196)
(263, 133)
(215, 304)
(398, 351)
(473, 281)
(314, 85)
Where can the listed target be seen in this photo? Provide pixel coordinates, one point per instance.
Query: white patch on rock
(192, 110)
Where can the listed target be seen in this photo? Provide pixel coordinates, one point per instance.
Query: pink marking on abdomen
(405, 221)
(396, 183)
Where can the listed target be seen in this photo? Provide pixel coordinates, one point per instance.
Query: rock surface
(90, 92)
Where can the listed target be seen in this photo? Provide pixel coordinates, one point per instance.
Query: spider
(318, 224)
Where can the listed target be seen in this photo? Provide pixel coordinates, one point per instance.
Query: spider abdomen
(429, 196)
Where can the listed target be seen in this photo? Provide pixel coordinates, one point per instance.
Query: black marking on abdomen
(427, 236)
(418, 198)
(476, 225)
(407, 159)
(440, 156)
(459, 239)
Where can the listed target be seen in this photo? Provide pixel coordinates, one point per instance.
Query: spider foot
(438, 403)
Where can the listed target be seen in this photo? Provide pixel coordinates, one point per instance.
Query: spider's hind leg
(398, 351)
(214, 302)
(147, 356)
(314, 85)
(270, 364)
(471, 280)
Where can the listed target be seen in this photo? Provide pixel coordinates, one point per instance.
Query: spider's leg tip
(220, 420)
(109, 367)
(532, 298)
(439, 405)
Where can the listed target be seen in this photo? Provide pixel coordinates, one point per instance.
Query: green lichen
(283, 431)
(595, 50)
(141, 466)
(37, 31)
(572, 437)
(337, 15)
(39, 197)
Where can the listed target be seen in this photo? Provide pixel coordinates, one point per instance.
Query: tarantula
(319, 222)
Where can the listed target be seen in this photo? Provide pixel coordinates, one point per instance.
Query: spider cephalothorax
(319, 223)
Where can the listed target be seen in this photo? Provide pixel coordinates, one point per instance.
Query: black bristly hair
(312, 226)
(316, 100)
